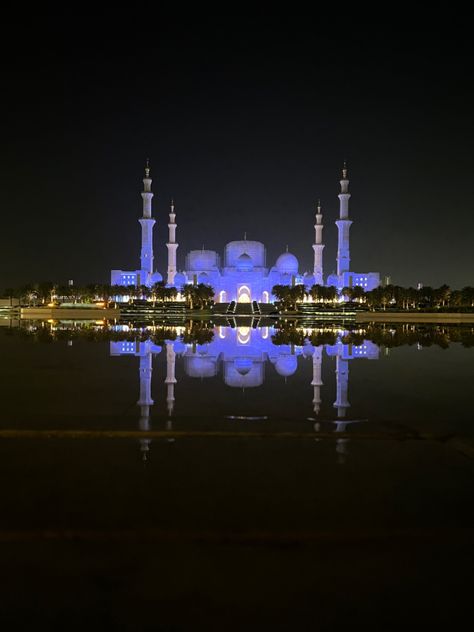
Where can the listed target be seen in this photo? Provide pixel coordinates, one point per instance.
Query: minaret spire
(172, 245)
(147, 223)
(318, 247)
(343, 225)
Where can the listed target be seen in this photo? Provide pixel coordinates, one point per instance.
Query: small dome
(244, 262)
(203, 278)
(308, 279)
(179, 347)
(288, 263)
(156, 278)
(200, 260)
(200, 366)
(286, 365)
(179, 280)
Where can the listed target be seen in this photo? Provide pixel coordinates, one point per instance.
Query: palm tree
(455, 298)
(441, 295)
(358, 293)
(317, 292)
(426, 296)
(45, 290)
(331, 293)
(347, 292)
(468, 296)
(144, 291)
(158, 291)
(297, 294)
(203, 294)
(189, 294)
(171, 293)
(282, 294)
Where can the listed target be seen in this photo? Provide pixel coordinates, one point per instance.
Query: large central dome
(253, 249)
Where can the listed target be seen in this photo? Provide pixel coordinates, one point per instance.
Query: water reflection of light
(264, 332)
(243, 335)
(221, 332)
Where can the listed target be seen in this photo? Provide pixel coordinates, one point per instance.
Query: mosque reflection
(240, 355)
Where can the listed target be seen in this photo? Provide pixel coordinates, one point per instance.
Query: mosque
(245, 275)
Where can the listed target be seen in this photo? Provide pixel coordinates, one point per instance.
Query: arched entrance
(222, 296)
(243, 294)
(265, 297)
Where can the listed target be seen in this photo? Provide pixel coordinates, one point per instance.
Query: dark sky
(246, 122)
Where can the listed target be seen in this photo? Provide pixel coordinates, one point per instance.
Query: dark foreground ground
(235, 534)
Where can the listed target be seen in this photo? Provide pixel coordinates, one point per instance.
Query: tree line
(286, 333)
(383, 297)
(199, 295)
(390, 336)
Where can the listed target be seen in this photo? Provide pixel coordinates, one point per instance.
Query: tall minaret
(317, 381)
(318, 247)
(146, 256)
(172, 246)
(343, 224)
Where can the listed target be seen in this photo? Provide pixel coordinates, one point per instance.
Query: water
(59, 376)
(226, 474)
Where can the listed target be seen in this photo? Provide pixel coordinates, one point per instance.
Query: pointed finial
(172, 205)
(286, 247)
(245, 236)
(147, 168)
(344, 170)
(319, 206)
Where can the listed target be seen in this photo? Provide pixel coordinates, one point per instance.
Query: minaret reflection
(342, 383)
(317, 381)
(344, 353)
(170, 381)
(144, 351)
(145, 400)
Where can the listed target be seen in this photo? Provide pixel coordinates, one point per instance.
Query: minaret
(343, 225)
(318, 247)
(317, 381)
(145, 400)
(172, 246)
(170, 380)
(147, 223)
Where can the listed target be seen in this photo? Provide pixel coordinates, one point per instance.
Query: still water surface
(96, 376)
(274, 478)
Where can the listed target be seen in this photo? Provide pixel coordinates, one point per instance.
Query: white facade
(245, 275)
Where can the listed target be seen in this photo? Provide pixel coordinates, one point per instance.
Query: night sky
(246, 123)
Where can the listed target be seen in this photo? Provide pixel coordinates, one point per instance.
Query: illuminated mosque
(245, 275)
